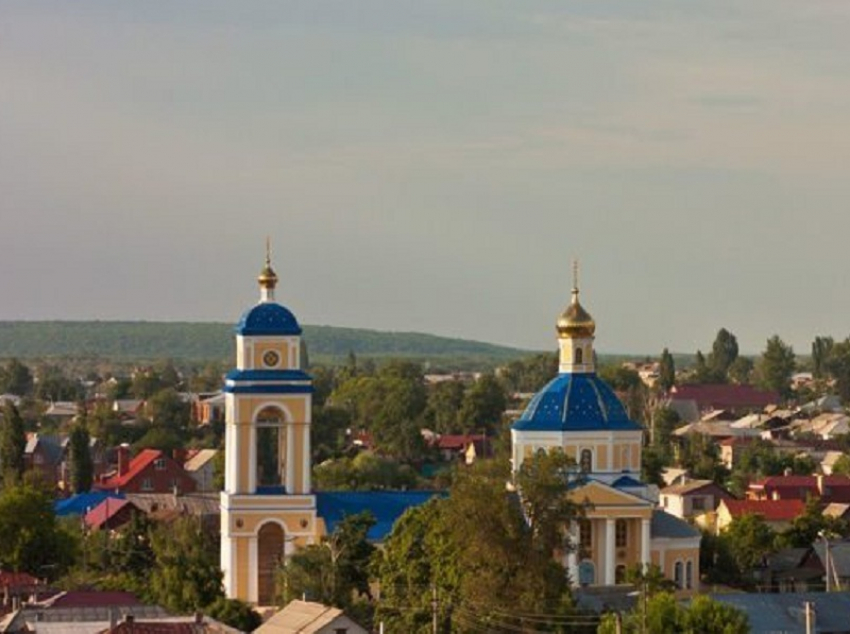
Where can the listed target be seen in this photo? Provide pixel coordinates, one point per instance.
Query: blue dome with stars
(268, 319)
(575, 402)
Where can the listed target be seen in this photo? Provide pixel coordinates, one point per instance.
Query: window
(689, 574)
(620, 574)
(37, 458)
(147, 484)
(621, 535)
(585, 532)
(159, 464)
(577, 356)
(698, 504)
(677, 574)
(586, 461)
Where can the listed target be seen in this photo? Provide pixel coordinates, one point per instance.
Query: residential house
(829, 460)
(837, 510)
(791, 570)
(465, 447)
(740, 399)
(693, 498)
(306, 617)
(201, 466)
(827, 426)
(786, 613)
(834, 488)
(110, 514)
(43, 454)
(151, 471)
(208, 408)
(62, 411)
(778, 514)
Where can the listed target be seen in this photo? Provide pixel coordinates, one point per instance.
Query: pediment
(600, 494)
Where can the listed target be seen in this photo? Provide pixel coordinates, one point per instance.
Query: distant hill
(141, 340)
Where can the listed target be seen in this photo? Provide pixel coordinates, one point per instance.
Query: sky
(432, 166)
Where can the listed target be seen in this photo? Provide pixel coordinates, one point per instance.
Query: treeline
(143, 340)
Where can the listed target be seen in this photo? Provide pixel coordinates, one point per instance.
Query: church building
(579, 414)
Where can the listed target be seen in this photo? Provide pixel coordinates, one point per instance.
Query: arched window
(586, 461)
(577, 356)
(689, 574)
(677, 575)
(271, 448)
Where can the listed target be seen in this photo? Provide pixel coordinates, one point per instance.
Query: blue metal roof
(268, 318)
(267, 382)
(385, 506)
(267, 375)
(575, 402)
(82, 502)
(626, 482)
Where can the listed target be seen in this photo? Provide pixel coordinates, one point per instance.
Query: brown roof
(688, 487)
(725, 396)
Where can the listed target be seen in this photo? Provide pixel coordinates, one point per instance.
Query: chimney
(123, 459)
(179, 456)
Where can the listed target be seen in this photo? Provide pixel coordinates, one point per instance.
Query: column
(645, 555)
(610, 558)
(572, 554)
(290, 458)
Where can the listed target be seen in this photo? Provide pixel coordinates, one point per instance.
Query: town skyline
(432, 169)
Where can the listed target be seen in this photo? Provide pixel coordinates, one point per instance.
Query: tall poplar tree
(82, 469)
(13, 441)
(667, 371)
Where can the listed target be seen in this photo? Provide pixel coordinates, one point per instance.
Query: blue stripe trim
(268, 389)
(268, 375)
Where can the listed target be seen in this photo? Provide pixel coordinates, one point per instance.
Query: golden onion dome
(575, 321)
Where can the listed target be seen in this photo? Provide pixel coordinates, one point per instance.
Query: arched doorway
(270, 553)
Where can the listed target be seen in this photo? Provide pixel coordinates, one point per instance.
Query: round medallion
(271, 358)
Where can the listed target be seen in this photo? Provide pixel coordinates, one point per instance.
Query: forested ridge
(206, 340)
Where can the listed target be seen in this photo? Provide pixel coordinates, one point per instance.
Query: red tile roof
(458, 441)
(105, 511)
(16, 579)
(725, 396)
(141, 627)
(770, 510)
(93, 598)
(137, 465)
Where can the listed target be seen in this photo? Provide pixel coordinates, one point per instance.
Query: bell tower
(267, 508)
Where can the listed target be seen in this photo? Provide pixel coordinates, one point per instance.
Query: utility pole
(618, 623)
(809, 618)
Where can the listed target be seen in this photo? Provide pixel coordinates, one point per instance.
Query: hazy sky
(432, 165)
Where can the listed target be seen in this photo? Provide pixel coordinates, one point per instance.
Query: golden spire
(267, 277)
(575, 321)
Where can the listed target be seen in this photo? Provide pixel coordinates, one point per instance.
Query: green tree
(706, 616)
(724, 351)
(16, 378)
(665, 422)
(805, 528)
(32, 540)
(444, 403)
(749, 540)
(667, 371)
(53, 385)
(186, 576)
(82, 468)
(838, 365)
(13, 441)
(741, 370)
(842, 465)
(821, 351)
(336, 571)
(166, 408)
(701, 372)
(775, 366)
(234, 613)
(483, 405)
